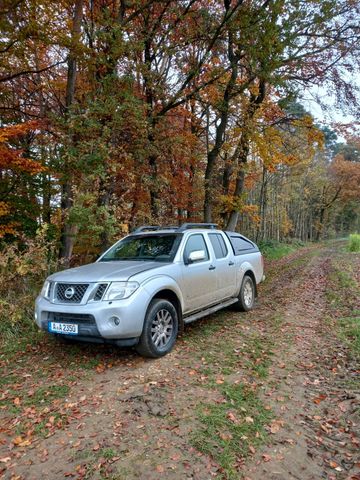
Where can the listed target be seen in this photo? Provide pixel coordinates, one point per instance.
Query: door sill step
(209, 311)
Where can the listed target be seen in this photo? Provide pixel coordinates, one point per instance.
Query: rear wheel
(246, 298)
(160, 329)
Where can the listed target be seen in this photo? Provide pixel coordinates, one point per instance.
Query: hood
(104, 271)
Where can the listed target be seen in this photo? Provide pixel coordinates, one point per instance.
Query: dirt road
(271, 394)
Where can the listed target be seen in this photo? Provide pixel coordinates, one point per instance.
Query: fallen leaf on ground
(20, 442)
(320, 398)
(232, 417)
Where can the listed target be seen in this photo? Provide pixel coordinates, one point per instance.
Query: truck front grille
(70, 292)
(100, 291)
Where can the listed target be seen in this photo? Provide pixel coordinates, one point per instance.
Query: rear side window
(218, 245)
(240, 245)
(194, 243)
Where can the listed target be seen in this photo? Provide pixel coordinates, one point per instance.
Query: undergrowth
(274, 250)
(23, 269)
(354, 243)
(343, 295)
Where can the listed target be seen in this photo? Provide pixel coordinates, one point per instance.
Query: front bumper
(95, 320)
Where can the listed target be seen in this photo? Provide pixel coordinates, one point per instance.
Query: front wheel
(160, 329)
(246, 298)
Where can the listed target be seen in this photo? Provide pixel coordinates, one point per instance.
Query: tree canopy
(122, 112)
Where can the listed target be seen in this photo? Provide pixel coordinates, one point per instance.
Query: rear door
(225, 267)
(199, 282)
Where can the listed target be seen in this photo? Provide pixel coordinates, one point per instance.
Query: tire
(246, 295)
(160, 329)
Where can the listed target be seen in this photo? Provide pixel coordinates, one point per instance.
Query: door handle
(212, 267)
(231, 263)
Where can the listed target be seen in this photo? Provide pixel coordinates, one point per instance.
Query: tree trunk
(213, 154)
(254, 104)
(68, 231)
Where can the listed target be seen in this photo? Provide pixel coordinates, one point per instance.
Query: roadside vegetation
(344, 298)
(274, 250)
(354, 243)
(23, 270)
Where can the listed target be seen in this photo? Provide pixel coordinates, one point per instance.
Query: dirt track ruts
(144, 410)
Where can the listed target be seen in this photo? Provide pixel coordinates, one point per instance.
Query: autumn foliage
(115, 114)
(13, 164)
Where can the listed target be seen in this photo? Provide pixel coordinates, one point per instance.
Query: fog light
(115, 320)
(35, 315)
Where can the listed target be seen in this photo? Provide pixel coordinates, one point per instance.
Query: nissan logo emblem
(69, 292)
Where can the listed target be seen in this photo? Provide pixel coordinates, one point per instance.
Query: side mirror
(196, 256)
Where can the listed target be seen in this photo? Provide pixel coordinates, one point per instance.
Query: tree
(16, 171)
(294, 47)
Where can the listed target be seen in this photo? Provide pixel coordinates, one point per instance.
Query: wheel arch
(171, 296)
(251, 274)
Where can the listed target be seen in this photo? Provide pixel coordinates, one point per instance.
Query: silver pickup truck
(144, 289)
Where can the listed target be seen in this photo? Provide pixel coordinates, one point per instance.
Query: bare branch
(7, 78)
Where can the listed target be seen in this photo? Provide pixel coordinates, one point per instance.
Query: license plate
(63, 328)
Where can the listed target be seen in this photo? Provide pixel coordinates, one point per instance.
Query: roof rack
(188, 226)
(153, 228)
(182, 228)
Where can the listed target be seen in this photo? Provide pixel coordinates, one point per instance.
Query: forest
(118, 113)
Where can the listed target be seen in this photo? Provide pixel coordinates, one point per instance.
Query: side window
(223, 245)
(240, 244)
(218, 244)
(194, 243)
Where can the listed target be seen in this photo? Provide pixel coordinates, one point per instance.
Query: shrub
(23, 268)
(274, 250)
(354, 243)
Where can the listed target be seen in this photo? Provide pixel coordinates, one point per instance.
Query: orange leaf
(319, 399)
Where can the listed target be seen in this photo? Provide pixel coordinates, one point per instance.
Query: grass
(41, 397)
(354, 243)
(96, 463)
(350, 331)
(273, 250)
(342, 294)
(231, 427)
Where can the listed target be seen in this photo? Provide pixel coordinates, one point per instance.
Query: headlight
(45, 289)
(119, 290)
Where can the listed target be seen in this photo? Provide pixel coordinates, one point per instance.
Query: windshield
(159, 248)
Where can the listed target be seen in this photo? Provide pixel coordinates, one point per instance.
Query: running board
(209, 311)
